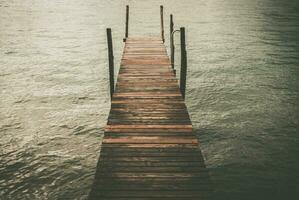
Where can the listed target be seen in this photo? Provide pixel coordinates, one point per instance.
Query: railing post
(162, 23)
(183, 63)
(127, 23)
(111, 61)
(171, 42)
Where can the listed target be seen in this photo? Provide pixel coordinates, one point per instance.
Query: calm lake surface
(242, 91)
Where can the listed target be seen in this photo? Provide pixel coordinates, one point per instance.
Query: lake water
(242, 91)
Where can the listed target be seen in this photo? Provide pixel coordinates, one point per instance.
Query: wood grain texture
(149, 150)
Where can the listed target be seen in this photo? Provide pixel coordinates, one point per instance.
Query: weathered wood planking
(149, 150)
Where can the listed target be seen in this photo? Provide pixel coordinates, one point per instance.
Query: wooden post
(111, 61)
(183, 63)
(127, 23)
(171, 42)
(162, 23)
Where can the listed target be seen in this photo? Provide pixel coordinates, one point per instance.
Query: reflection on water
(242, 91)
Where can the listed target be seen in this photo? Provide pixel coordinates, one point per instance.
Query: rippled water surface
(243, 91)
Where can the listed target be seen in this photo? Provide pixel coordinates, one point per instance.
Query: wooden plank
(152, 164)
(148, 127)
(148, 134)
(146, 130)
(147, 111)
(150, 140)
(148, 154)
(147, 94)
(150, 118)
(149, 150)
(152, 145)
(129, 185)
(159, 193)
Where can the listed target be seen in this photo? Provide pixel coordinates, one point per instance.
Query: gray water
(243, 91)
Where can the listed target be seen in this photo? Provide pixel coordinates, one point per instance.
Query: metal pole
(111, 61)
(127, 23)
(162, 23)
(183, 63)
(171, 42)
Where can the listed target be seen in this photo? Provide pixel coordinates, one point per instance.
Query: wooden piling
(183, 63)
(127, 23)
(162, 23)
(111, 61)
(171, 41)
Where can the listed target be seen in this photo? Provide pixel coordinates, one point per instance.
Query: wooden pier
(149, 150)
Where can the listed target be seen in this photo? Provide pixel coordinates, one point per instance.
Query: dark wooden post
(162, 23)
(127, 23)
(111, 61)
(171, 42)
(183, 63)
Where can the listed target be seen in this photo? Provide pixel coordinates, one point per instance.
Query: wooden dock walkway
(149, 150)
